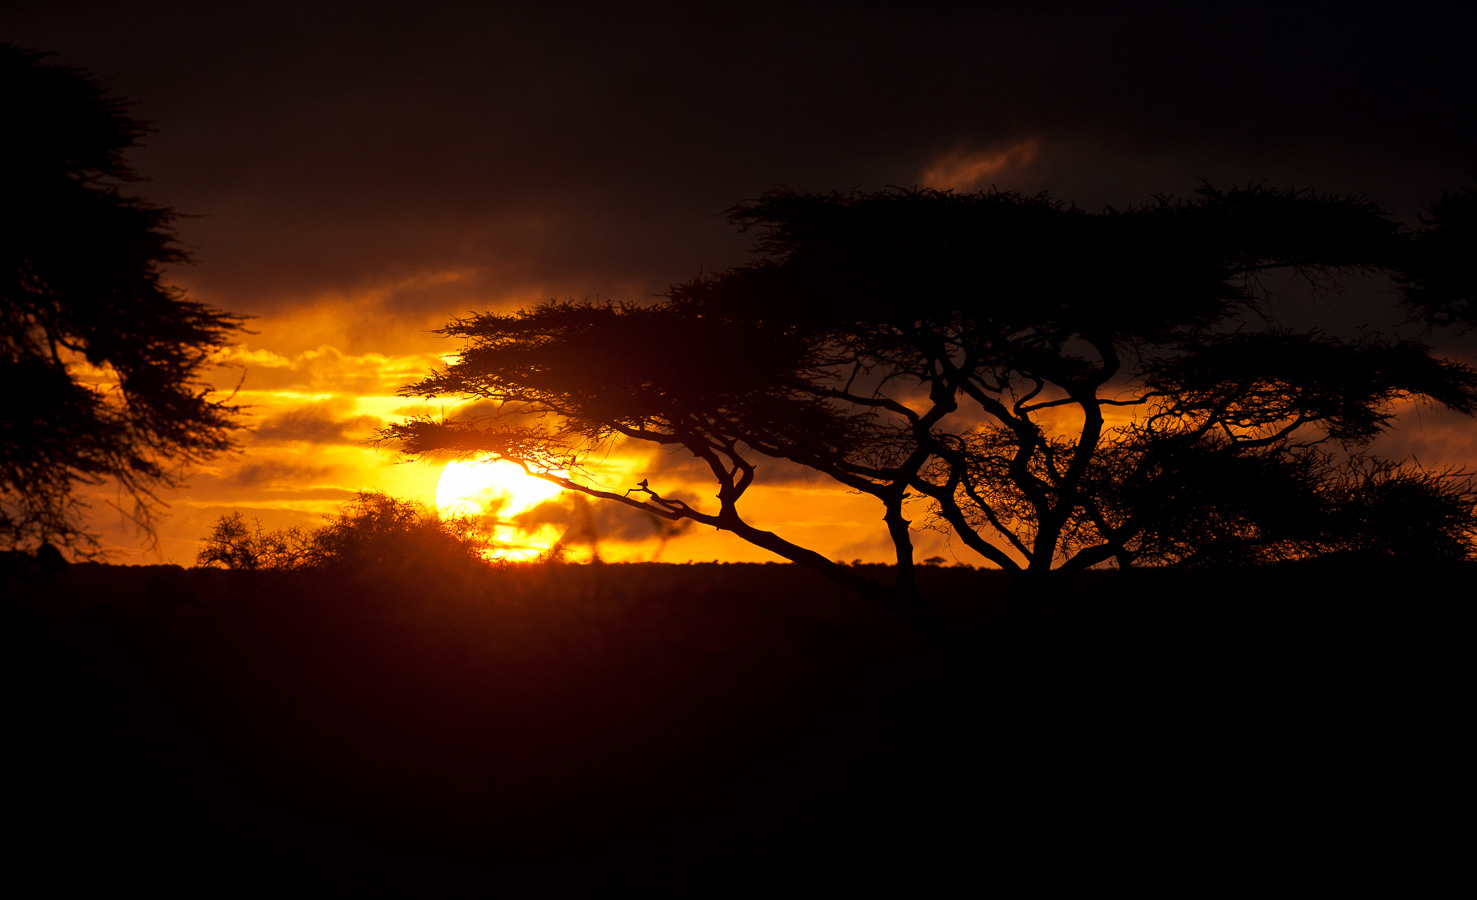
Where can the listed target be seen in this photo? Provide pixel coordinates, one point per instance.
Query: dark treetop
(1061, 388)
(99, 359)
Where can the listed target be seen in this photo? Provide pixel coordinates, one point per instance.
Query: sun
(500, 489)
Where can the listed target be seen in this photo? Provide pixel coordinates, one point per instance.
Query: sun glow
(501, 490)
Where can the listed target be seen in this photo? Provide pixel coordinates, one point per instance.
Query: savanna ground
(695, 730)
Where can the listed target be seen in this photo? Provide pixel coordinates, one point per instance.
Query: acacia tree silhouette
(1438, 273)
(101, 360)
(1061, 388)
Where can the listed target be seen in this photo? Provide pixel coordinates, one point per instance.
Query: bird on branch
(670, 505)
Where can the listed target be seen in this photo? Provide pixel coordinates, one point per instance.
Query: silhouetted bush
(373, 529)
(233, 544)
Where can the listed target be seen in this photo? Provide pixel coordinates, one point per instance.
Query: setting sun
(501, 490)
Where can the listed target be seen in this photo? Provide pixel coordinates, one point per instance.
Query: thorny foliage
(101, 359)
(1063, 388)
(1437, 273)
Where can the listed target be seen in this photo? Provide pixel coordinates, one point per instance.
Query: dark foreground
(701, 730)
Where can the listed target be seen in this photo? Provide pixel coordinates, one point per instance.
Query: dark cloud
(586, 148)
(317, 423)
(358, 173)
(678, 466)
(278, 474)
(477, 410)
(593, 522)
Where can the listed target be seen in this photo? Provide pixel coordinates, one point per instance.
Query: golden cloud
(327, 369)
(967, 170)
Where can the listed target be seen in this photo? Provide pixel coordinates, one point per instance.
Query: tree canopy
(1438, 274)
(101, 359)
(1061, 388)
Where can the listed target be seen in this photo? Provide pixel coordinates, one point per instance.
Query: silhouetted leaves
(1065, 388)
(233, 544)
(1439, 272)
(1260, 384)
(101, 359)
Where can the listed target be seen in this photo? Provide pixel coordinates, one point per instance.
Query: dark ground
(707, 729)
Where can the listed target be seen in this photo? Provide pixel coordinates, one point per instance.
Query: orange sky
(311, 412)
(313, 405)
(353, 176)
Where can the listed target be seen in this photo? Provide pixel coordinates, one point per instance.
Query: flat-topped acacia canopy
(925, 343)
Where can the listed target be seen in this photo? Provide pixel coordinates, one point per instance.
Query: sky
(352, 176)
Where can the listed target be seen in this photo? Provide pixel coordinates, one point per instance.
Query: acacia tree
(1062, 388)
(1437, 271)
(234, 544)
(101, 359)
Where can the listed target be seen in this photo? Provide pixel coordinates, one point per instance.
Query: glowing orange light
(501, 490)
